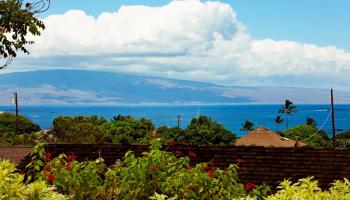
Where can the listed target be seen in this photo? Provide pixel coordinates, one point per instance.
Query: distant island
(81, 87)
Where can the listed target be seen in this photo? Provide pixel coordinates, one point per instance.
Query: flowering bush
(71, 177)
(162, 172)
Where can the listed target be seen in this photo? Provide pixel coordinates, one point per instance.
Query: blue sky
(239, 42)
(321, 22)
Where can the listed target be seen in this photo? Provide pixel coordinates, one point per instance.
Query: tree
(279, 121)
(26, 129)
(247, 126)
(310, 122)
(17, 21)
(288, 108)
(307, 134)
(204, 130)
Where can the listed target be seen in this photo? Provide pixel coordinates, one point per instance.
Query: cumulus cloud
(184, 39)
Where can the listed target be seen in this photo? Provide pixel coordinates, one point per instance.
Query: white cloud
(184, 39)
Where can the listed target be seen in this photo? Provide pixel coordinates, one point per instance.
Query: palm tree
(288, 108)
(247, 126)
(279, 121)
(311, 122)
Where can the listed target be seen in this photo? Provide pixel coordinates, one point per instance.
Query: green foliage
(126, 129)
(311, 122)
(17, 21)
(288, 109)
(26, 129)
(308, 189)
(247, 126)
(12, 187)
(73, 178)
(344, 135)
(161, 172)
(37, 161)
(308, 135)
(78, 129)
(201, 130)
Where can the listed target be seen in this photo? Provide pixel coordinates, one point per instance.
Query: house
(262, 136)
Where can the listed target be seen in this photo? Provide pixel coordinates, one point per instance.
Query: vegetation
(247, 126)
(201, 130)
(156, 172)
(17, 22)
(279, 121)
(26, 130)
(156, 175)
(307, 189)
(311, 122)
(98, 130)
(309, 135)
(288, 109)
(12, 185)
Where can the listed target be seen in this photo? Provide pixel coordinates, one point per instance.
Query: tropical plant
(288, 108)
(26, 129)
(163, 173)
(12, 186)
(278, 121)
(78, 129)
(247, 126)
(311, 122)
(17, 22)
(204, 130)
(307, 134)
(70, 177)
(307, 188)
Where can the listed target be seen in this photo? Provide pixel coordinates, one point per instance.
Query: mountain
(56, 87)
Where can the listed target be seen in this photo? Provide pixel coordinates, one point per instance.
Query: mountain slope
(92, 87)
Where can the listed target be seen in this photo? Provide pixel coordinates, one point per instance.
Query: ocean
(231, 116)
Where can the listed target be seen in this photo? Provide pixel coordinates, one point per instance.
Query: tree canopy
(308, 134)
(17, 22)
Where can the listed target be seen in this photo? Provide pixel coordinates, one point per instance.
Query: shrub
(78, 129)
(164, 173)
(308, 135)
(26, 128)
(12, 187)
(81, 179)
(201, 130)
(308, 189)
(126, 129)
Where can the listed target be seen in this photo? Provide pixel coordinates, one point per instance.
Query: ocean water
(231, 116)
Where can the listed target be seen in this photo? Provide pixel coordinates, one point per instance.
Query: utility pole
(178, 121)
(333, 123)
(17, 117)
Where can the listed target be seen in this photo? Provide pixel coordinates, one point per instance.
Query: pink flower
(152, 168)
(239, 161)
(249, 186)
(48, 156)
(192, 154)
(178, 153)
(71, 156)
(51, 177)
(170, 142)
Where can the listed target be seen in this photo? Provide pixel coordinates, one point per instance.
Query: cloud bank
(191, 40)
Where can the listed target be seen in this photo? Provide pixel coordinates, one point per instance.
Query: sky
(239, 42)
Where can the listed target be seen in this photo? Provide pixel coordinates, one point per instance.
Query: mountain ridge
(80, 87)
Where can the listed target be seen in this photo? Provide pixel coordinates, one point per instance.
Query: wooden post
(17, 117)
(333, 122)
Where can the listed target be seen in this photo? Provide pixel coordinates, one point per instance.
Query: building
(262, 136)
